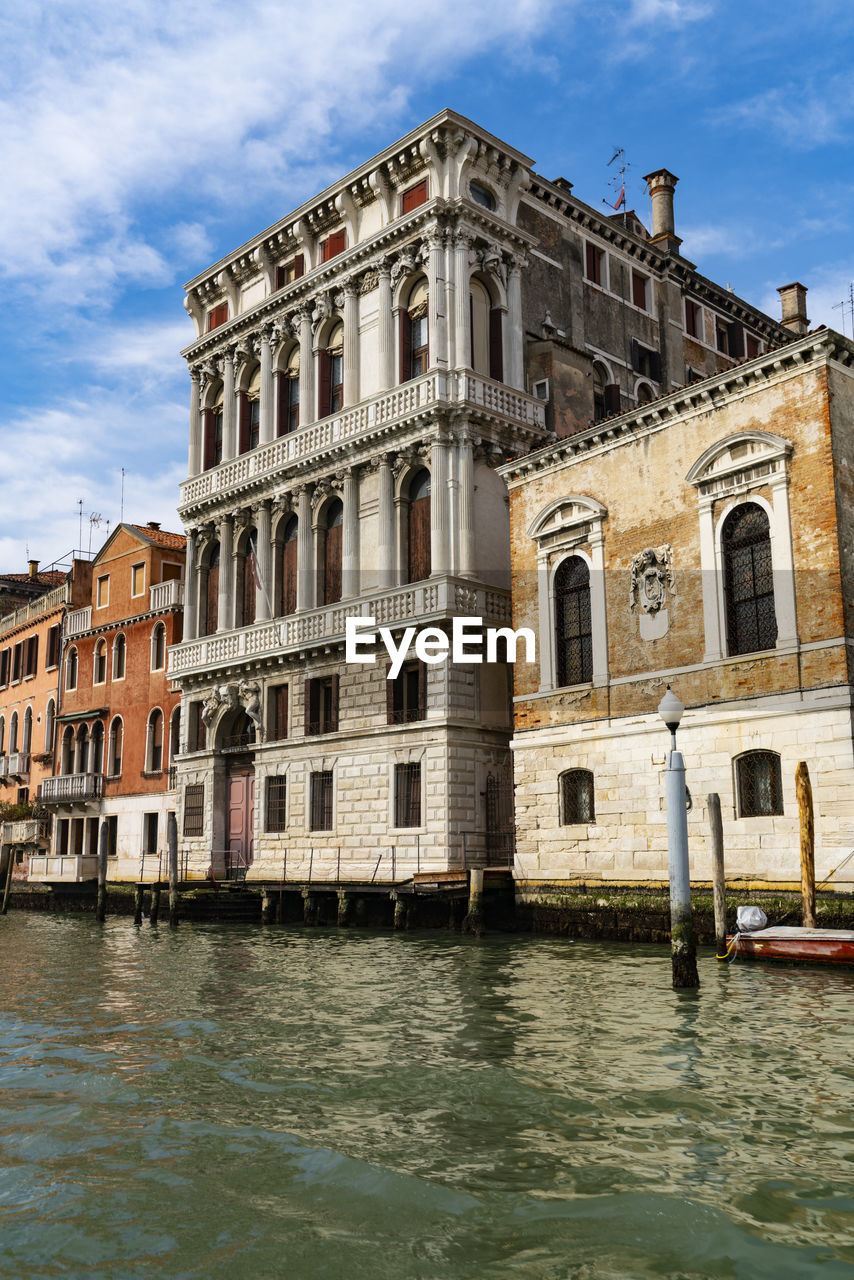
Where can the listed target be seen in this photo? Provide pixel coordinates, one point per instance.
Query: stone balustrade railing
(418, 602)
(45, 604)
(384, 408)
(78, 621)
(72, 786)
(163, 595)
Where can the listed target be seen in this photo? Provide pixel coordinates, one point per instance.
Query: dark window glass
(760, 784)
(277, 791)
(407, 795)
(576, 793)
(573, 626)
(748, 580)
(321, 801)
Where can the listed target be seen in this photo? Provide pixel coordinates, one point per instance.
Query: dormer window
(482, 196)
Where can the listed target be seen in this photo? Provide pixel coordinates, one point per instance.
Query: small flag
(621, 198)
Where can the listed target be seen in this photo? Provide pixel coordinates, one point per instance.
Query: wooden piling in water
(718, 874)
(309, 907)
(401, 912)
(138, 895)
(10, 858)
(344, 903)
(103, 854)
(807, 824)
(172, 867)
(154, 911)
(268, 907)
(473, 922)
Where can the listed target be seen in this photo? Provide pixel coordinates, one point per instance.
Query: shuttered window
(321, 705)
(414, 197)
(333, 245)
(217, 316)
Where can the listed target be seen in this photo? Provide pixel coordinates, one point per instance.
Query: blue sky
(140, 143)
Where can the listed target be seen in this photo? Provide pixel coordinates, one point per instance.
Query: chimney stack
(793, 300)
(33, 568)
(661, 185)
(154, 524)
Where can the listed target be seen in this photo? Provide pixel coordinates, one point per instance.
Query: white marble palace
(359, 371)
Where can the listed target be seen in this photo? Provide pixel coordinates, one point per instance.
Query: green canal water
(235, 1101)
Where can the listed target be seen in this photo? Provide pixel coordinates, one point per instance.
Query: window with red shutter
(217, 316)
(639, 284)
(333, 245)
(415, 196)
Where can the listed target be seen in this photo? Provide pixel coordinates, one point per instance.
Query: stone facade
(360, 370)
(647, 503)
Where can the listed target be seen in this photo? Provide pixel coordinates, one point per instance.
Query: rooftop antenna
(95, 522)
(847, 305)
(122, 507)
(618, 181)
(80, 538)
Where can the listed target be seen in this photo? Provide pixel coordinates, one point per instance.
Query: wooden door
(419, 540)
(211, 603)
(240, 820)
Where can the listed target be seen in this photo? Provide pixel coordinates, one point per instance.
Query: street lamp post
(683, 946)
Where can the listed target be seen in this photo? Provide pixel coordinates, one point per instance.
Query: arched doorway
(237, 738)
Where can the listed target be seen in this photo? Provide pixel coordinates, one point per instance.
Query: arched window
(210, 597)
(174, 734)
(759, 784)
(212, 432)
(27, 737)
(119, 656)
(287, 400)
(419, 564)
(99, 674)
(49, 725)
(67, 760)
(289, 566)
(154, 742)
(330, 381)
(96, 752)
(414, 345)
(576, 797)
(573, 625)
(645, 393)
(486, 333)
(482, 196)
(748, 580)
(81, 758)
(71, 669)
(249, 415)
(2, 735)
(13, 733)
(158, 647)
(246, 578)
(332, 552)
(114, 754)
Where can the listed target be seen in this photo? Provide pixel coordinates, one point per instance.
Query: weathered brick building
(117, 722)
(359, 371)
(703, 541)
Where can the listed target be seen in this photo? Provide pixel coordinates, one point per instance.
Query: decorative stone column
(264, 561)
(386, 542)
(465, 471)
(514, 353)
(385, 329)
(439, 530)
(450, 307)
(462, 317)
(224, 603)
(266, 431)
(350, 535)
(307, 406)
(436, 313)
(229, 407)
(194, 461)
(305, 576)
(351, 345)
(191, 589)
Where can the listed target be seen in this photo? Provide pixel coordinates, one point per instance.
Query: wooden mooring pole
(172, 867)
(718, 875)
(103, 854)
(807, 821)
(10, 858)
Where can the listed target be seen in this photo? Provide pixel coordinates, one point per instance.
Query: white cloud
(798, 114)
(673, 12)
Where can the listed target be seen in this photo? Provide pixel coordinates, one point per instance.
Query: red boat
(804, 946)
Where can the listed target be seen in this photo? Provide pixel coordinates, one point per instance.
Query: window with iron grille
(194, 809)
(759, 781)
(748, 580)
(321, 704)
(573, 622)
(576, 797)
(277, 794)
(406, 694)
(407, 795)
(321, 801)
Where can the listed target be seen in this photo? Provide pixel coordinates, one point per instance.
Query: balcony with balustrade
(72, 788)
(166, 595)
(462, 389)
(416, 604)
